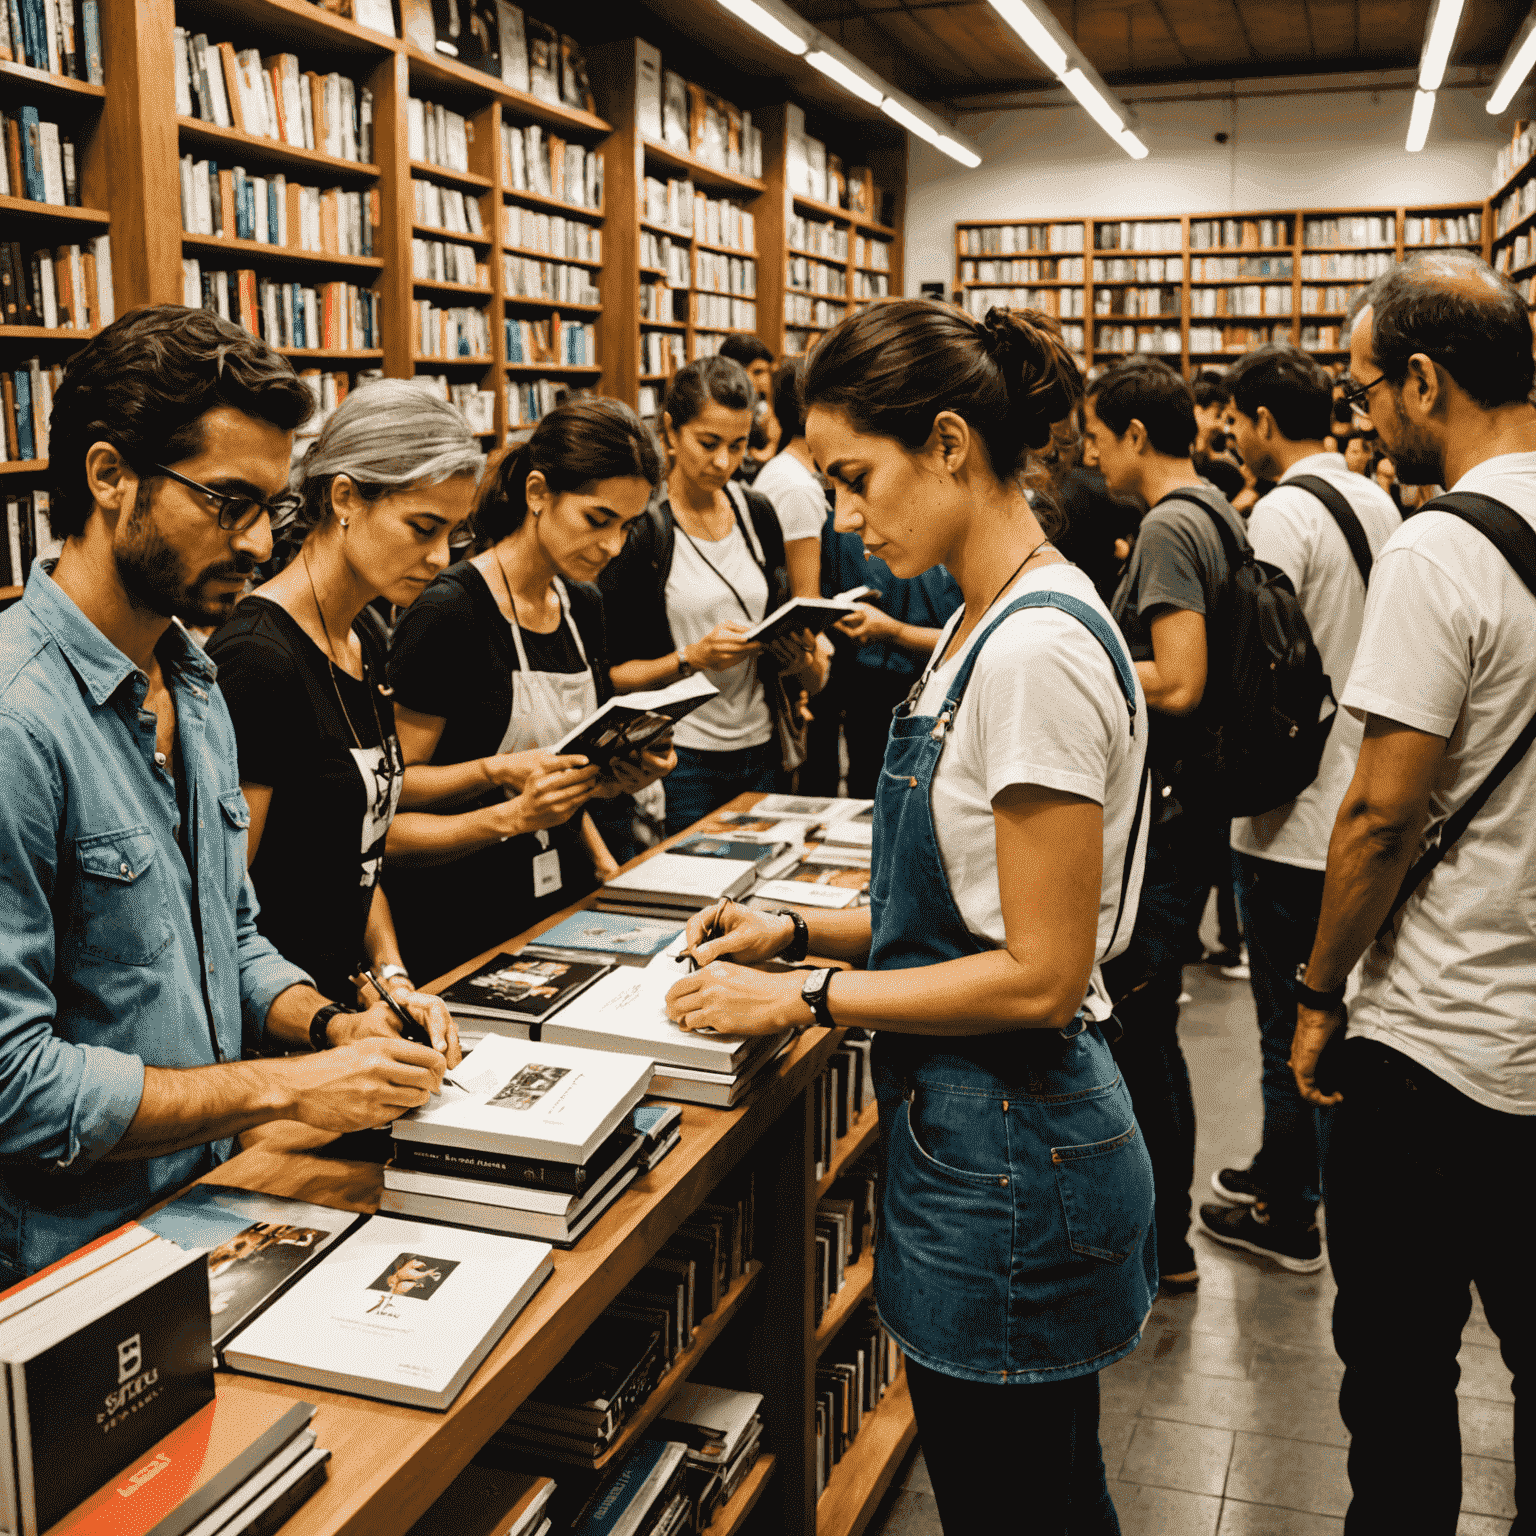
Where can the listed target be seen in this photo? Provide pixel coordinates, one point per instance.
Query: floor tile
(1115, 1430)
(1487, 1429)
(1164, 1511)
(915, 1475)
(1319, 1369)
(913, 1514)
(1202, 1354)
(1482, 1525)
(1290, 1474)
(1488, 1487)
(1271, 1408)
(1484, 1374)
(1166, 1454)
(1239, 1519)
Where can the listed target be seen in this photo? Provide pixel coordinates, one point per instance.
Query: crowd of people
(248, 794)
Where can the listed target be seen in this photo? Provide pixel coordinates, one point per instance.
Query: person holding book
(1015, 1256)
(382, 491)
(135, 976)
(494, 663)
(707, 564)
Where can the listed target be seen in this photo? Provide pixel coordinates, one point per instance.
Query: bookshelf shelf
(466, 181)
(573, 369)
(563, 305)
(698, 172)
(433, 232)
(335, 354)
(661, 325)
(25, 208)
(859, 1481)
(725, 330)
(858, 1286)
(570, 261)
(423, 361)
(732, 1515)
(45, 333)
(848, 1149)
(554, 205)
(680, 236)
(459, 290)
(8, 594)
(431, 72)
(22, 77)
(1517, 228)
(259, 149)
(260, 250)
(23, 466)
(299, 23)
(726, 250)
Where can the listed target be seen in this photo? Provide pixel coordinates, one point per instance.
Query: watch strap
(389, 972)
(799, 941)
(1310, 997)
(320, 1023)
(814, 992)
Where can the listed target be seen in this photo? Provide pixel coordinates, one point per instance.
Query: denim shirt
(98, 954)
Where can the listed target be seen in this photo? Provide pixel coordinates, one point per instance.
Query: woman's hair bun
(1043, 380)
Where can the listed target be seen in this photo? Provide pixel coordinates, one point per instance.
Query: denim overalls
(1016, 1240)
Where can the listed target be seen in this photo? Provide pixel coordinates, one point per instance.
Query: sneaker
(1298, 1249)
(1231, 963)
(1237, 1186)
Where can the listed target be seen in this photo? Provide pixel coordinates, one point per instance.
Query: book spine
(495, 1167)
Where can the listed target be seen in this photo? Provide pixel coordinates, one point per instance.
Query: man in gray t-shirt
(1140, 423)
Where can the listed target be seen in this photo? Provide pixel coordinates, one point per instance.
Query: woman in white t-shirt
(789, 480)
(1015, 1256)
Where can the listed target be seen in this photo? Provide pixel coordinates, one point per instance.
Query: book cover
(713, 1422)
(674, 112)
(257, 1244)
(810, 807)
(645, 1475)
(575, 88)
(630, 722)
(513, 44)
(417, 25)
(543, 60)
(703, 846)
(816, 614)
(648, 91)
(629, 940)
(678, 880)
(534, 1174)
(376, 15)
(399, 1310)
(533, 1100)
(521, 988)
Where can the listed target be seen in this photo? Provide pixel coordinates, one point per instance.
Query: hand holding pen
(414, 1029)
(711, 930)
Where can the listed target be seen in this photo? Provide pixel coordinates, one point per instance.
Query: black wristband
(320, 1023)
(799, 941)
(1310, 997)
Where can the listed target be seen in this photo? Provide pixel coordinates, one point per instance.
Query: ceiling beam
(1173, 37)
(1242, 26)
(1306, 11)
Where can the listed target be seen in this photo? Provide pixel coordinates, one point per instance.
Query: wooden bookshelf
(1512, 209)
(1281, 255)
(869, 1465)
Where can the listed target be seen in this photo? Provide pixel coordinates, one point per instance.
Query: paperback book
(816, 614)
(627, 940)
(464, 1210)
(520, 989)
(676, 881)
(630, 722)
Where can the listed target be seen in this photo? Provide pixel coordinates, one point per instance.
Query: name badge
(546, 872)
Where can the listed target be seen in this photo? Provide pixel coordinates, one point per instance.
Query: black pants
(1014, 1460)
(1427, 1193)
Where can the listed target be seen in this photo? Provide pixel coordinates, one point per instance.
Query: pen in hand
(409, 1028)
(710, 932)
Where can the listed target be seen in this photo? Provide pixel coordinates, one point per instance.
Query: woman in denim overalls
(1015, 1257)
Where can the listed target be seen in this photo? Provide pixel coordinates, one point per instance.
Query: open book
(630, 722)
(816, 614)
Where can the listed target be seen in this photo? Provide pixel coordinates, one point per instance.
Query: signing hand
(365, 1084)
(868, 624)
(1314, 1029)
(750, 937)
(724, 647)
(736, 1000)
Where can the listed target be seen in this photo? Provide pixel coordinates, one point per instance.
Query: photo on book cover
(521, 983)
(527, 1086)
(255, 1262)
(416, 1275)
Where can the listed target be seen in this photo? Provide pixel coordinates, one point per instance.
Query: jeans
(1006, 1459)
(1426, 1191)
(703, 781)
(1282, 903)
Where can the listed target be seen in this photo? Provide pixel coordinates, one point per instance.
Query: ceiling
(953, 50)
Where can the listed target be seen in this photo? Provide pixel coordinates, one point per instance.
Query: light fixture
(1518, 59)
(768, 24)
(1131, 145)
(1036, 34)
(850, 79)
(1093, 102)
(910, 121)
(957, 151)
(1439, 37)
(1418, 123)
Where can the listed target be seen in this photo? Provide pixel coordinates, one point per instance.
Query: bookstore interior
(651, 1250)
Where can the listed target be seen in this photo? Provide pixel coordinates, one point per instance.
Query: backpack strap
(1514, 538)
(1344, 515)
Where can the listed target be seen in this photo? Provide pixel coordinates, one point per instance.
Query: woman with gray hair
(381, 494)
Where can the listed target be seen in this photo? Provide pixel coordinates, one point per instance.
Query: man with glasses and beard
(134, 980)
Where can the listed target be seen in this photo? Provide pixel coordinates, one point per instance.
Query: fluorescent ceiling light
(850, 80)
(1418, 124)
(1517, 65)
(1438, 40)
(768, 24)
(910, 120)
(957, 151)
(1037, 36)
(1097, 107)
(1131, 145)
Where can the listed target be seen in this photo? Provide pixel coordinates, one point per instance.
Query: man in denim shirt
(130, 990)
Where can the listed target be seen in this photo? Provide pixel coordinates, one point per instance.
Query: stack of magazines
(723, 1433)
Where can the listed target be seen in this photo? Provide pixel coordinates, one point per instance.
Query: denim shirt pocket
(237, 823)
(1106, 1194)
(124, 916)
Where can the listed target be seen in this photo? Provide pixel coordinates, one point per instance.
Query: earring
(344, 524)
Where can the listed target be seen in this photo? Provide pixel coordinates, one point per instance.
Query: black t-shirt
(325, 744)
(453, 656)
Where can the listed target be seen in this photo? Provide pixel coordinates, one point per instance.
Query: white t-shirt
(1449, 647)
(1291, 528)
(796, 494)
(1043, 707)
(697, 600)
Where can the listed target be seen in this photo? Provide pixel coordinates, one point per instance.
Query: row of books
(1514, 208)
(1133, 269)
(660, 254)
(663, 304)
(661, 352)
(707, 343)
(815, 172)
(530, 400)
(872, 253)
(875, 285)
(498, 39)
(334, 315)
(437, 135)
(445, 208)
(26, 403)
(272, 98)
(1515, 155)
(1234, 338)
(1015, 239)
(807, 275)
(551, 233)
(840, 1096)
(1250, 299)
(801, 309)
(535, 160)
(1142, 302)
(1518, 253)
(669, 203)
(528, 278)
(1445, 228)
(719, 221)
(27, 534)
(1322, 338)
(1050, 301)
(455, 331)
(845, 1220)
(719, 309)
(1238, 234)
(1031, 269)
(329, 387)
(37, 160)
(1329, 301)
(62, 37)
(1138, 235)
(567, 343)
(1208, 269)
(68, 287)
(817, 237)
(798, 341)
(672, 111)
(477, 404)
(854, 1374)
(444, 261)
(1159, 339)
(1351, 229)
(231, 204)
(1362, 265)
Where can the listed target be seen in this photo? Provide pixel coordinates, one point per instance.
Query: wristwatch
(1310, 997)
(814, 992)
(685, 668)
(320, 1023)
(799, 940)
(389, 972)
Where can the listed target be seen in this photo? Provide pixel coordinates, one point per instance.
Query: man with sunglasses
(1431, 1147)
(132, 978)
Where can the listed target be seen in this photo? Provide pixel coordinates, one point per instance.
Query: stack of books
(528, 1138)
(845, 1230)
(514, 992)
(675, 885)
(723, 1432)
(840, 1095)
(825, 876)
(856, 1371)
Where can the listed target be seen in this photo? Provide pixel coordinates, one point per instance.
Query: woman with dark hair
(381, 492)
(698, 573)
(496, 661)
(789, 480)
(1015, 1255)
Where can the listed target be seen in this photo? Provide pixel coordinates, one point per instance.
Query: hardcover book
(520, 988)
(630, 722)
(543, 60)
(629, 940)
(514, 46)
(531, 1174)
(675, 880)
(813, 613)
(560, 1231)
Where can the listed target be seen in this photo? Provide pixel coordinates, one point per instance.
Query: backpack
(1268, 706)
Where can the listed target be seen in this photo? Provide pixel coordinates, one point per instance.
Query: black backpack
(1268, 705)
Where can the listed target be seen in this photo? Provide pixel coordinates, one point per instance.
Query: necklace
(1043, 544)
(330, 656)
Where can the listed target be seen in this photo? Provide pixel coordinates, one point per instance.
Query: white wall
(1285, 151)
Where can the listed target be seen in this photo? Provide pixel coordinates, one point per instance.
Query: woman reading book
(1015, 1256)
(499, 658)
(698, 573)
(380, 494)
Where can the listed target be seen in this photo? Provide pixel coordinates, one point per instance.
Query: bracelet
(685, 668)
(799, 938)
(320, 1023)
(1310, 997)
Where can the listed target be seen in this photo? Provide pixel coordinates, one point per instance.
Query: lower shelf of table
(859, 1481)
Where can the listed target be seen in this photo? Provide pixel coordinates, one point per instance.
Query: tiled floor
(1225, 1421)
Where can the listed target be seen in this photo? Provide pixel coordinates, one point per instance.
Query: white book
(813, 613)
(648, 91)
(679, 879)
(215, 69)
(849, 833)
(514, 45)
(488, 1217)
(629, 722)
(191, 282)
(533, 1100)
(376, 15)
(202, 194)
(400, 1310)
(513, 1197)
(416, 128)
(183, 78)
(822, 808)
(106, 309)
(51, 37)
(49, 296)
(799, 893)
(729, 1413)
(187, 217)
(53, 163)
